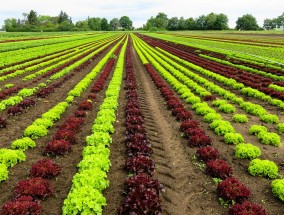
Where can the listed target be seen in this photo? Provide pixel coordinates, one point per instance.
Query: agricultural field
(142, 123)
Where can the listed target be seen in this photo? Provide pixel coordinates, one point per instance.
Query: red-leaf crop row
(142, 192)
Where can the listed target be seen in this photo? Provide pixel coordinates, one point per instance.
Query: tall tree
(269, 24)
(114, 24)
(125, 22)
(10, 24)
(181, 24)
(173, 24)
(210, 21)
(32, 17)
(82, 25)
(65, 26)
(63, 16)
(247, 22)
(95, 23)
(104, 25)
(150, 23)
(161, 21)
(190, 24)
(221, 22)
(200, 23)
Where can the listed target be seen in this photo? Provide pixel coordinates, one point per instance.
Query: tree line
(63, 22)
(212, 21)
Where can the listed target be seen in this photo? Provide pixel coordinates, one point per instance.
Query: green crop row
(86, 194)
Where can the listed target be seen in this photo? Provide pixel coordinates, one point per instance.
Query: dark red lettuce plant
(218, 169)
(45, 168)
(24, 205)
(207, 153)
(140, 164)
(232, 189)
(247, 208)
(35, 187)
(57, 147)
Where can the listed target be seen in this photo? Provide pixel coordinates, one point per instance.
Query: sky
(141, 10)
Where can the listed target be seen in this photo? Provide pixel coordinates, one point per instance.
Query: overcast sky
(141, 10)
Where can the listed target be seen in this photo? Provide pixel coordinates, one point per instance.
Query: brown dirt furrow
(185, 186)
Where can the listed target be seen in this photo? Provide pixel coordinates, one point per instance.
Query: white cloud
(141, 10)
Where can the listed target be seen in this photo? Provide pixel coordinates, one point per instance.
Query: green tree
(114, 24)
(173, 24)
(10, 24)
(210, 21)
(161, 21)
(247, 22)
(181, 24)
(104, 25)
(150, 23)
(95, 23)
(200, 23)
(32, 17)
(125, 22)
(222, 22)
(269, 24)
(65, 26)
(63, 16)
(82, 25)
(190, 24)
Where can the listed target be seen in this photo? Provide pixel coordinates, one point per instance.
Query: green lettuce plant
(247, 150)
(13, 100)
(240, 118)
(219, 102)
(269, 138)
(277, 186)
(85, 201)
(233, 138)
(23, 143)
(193, 100)
(105, 127)
(269, 118)
(27, 92)
(255, 129)
(280, 128)
(46, 122)
(7, 86)
(94, 160)
(3, 172)
(227, 108)
(95, 178)
(221, 127)
(99, 149)
(10, 157)
(99, 138)
(210, 117)
(266, 168)
(35, 131)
